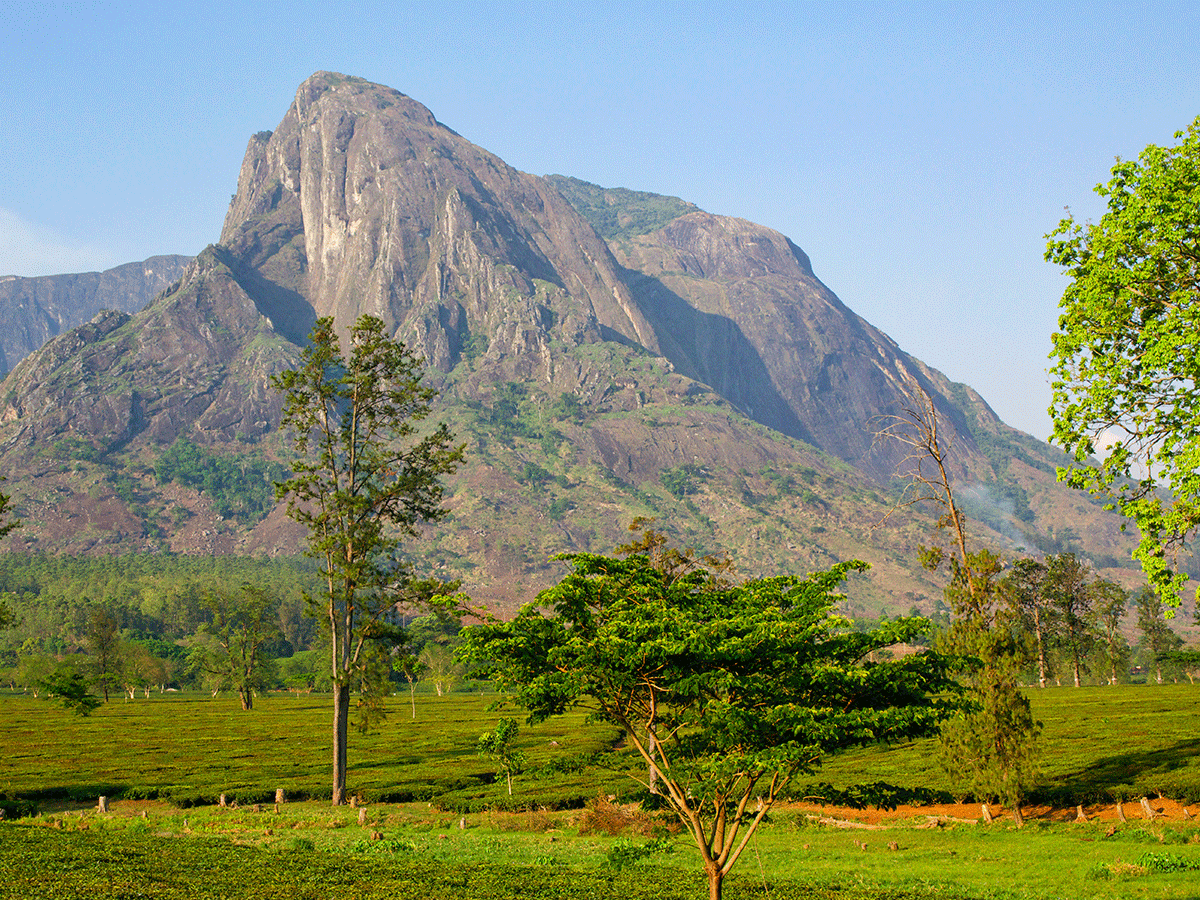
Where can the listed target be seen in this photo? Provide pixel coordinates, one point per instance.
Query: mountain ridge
(690, 368)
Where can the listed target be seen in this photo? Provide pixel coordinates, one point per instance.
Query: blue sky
(917, 152)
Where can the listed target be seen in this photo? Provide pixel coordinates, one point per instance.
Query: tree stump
(276, 809)
(221, 802)
(462, 822)
(353, 801)
(377, 835)
(362, 816)
(892, 845)
(102, 806)
(258, 807)
(987, 814)
(1080, 815)
(145, 815)
(1146, 810)
(1121, 812)
(279, 797)
(1186, 814)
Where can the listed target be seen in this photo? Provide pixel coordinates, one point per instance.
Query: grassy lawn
(443, 833)
(309, 850)
(192, 749)
(1098, 744)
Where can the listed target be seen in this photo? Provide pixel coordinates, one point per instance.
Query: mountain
(33, 310)
(605, 353)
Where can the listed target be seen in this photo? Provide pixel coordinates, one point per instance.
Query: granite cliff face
(605, 353)
(33, 310)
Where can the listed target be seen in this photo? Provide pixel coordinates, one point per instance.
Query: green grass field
(452, 839)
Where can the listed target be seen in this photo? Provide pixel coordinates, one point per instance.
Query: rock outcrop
(33, 310)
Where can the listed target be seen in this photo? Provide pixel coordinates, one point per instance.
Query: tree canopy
(725, 690)
(1127, 351)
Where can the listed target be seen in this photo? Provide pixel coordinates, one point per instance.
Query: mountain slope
(690, 368)
(33, 310)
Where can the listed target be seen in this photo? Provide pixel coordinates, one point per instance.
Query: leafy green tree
(230, 649)
(103, 642)
(497, 744)
(1110, 601)
(71, 688)
(1069, 586)
(1127, 351)
(742, 686)
(363, 480)
(1157, 636)
(1026, 586)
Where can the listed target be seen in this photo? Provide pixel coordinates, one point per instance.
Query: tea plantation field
(437, 811)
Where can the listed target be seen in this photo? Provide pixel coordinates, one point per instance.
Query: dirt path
(1162, 809)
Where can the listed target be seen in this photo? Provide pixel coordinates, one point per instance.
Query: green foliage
(363, 480)
(989, 750)
(239, 485)
(1163, 861)
(618, 213)
(1127, 350)
(497, 744)
(726, 690)
(682, 481)
(71, 688)
(625, 851)
(230, 649)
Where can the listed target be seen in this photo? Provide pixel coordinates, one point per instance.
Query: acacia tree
(742, 686)
(1127, 351)
(363, 481)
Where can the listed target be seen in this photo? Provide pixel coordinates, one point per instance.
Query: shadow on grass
(1172, 771)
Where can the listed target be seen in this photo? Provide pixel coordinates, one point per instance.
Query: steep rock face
(361, 202)
(33, 310)
(194, 361)
(737, 306)
(662, 373)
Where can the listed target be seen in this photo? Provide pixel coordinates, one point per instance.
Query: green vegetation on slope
(618, 213)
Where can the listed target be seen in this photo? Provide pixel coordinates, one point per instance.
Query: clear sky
(918, 152)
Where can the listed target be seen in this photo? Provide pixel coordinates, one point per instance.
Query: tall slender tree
(1069, 586)
(1111, 600)
(991, 749)
(1026, 583)
(363, 480)
(1157, 636)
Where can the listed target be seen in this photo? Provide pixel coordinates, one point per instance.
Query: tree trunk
(1076, 662)
(509, 774)
(247, 698)
(341, 722)
(1041, 647)
(714, 881)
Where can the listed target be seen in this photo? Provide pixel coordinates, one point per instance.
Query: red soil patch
(1164, 811)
